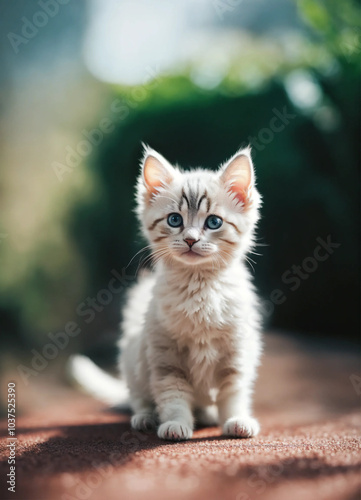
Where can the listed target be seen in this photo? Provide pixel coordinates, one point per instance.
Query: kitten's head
(198, 218)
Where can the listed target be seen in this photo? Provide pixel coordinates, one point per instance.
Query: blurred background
(82, 84)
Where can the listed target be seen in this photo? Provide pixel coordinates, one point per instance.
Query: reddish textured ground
(307, 400)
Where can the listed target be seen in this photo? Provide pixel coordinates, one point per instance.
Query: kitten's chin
(191, 258)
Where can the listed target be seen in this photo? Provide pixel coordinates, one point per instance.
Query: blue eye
(213, 222)
(175, 220)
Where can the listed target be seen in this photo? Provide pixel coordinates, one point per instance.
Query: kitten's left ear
(238, 176)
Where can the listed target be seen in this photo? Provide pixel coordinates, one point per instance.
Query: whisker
(156, 255)
(134, 256)
(145, 259)
(261, 244)
(250, 263)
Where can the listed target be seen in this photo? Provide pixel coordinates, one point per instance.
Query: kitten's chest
(197, 308)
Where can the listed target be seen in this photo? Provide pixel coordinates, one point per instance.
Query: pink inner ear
(155, 175)
(239, 191)
(238, 174)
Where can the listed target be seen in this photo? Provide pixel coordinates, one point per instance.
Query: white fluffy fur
(191, 330)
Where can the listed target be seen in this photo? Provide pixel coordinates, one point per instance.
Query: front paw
(143, 422)
(242, 427)
(174, 431)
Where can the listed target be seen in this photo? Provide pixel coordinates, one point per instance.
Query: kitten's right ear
(157, 172)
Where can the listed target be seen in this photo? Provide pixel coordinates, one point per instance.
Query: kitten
(191, 329)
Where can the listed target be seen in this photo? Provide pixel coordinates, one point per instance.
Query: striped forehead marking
(193, 198)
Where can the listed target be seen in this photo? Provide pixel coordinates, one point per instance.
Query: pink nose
(190, 241)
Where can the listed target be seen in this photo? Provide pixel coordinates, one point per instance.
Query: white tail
(96, 382)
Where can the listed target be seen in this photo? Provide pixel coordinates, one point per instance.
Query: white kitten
(191, 330)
